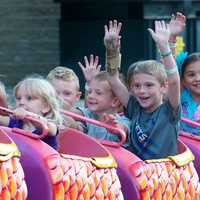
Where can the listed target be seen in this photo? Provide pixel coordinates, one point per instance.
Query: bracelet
(171, 71)
(172, 45)
(165, 54)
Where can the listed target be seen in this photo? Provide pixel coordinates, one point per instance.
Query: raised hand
(109, 119)
(161, 34)
(91, 67)
(112, 37)
(177, 24)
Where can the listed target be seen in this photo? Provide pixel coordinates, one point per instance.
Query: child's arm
(161, 37)
(91, 67)
(111, 120)
(113, 60)
(176, 26)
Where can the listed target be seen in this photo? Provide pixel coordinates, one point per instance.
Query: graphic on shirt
(141, 136)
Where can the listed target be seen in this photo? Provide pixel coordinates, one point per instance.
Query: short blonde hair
(40, 87)
(150, 67)
(65, 74)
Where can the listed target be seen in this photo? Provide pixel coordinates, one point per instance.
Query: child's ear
(164, 87)
(46, 108)
(78, 95)
(115, 102)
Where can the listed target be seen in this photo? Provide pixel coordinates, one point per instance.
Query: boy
(154, 123)
(102, 105)
(66, 84)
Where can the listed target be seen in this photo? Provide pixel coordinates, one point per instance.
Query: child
(66, 84)
(190, 95)
(102, 105)
(3, 96)
(35, 97)
(154, 123)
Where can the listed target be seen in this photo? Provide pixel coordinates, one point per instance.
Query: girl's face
(100, 98)
(31, 103)
(191, 79)
(148, 91)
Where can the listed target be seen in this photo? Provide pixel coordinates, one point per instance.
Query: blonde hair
(150, 67)
(65, 74)
(3, 95)
(39, 87)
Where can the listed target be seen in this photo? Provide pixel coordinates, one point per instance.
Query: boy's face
(100, 98)
(66, 91)
(148, 91)
(191, 79)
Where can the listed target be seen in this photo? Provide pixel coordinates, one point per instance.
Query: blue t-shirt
(153, 135)
(99, 132)
(190, 110)
(50, 140)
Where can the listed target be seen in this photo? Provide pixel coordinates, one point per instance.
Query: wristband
(171, 71)
(172, 45)
(165, 54)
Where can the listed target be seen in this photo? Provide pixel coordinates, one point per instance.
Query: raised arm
(161, 37)
(113, 60)
(176, 27)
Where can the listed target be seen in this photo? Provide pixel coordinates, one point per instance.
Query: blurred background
(37, 35)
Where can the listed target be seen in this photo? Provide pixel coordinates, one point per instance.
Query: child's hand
(177, 24)
(91, 67)
(20, 113)
(112, 37)
(161, 35)
(109, 119)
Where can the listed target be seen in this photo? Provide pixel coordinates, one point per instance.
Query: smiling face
(100, 98)
(66, 90)
(148, 91)
(191, 79)
(30, 102)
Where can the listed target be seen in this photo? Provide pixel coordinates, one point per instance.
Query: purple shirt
(50, 140)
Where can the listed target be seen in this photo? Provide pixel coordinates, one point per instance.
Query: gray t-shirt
(153, 135)
(99, 132)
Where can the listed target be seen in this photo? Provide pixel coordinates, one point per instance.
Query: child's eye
(150, 84)
(137, 86)
(67, 93)
(98, 92)
(18, 98)
(191, 75)
(89, 91)
(29, 98)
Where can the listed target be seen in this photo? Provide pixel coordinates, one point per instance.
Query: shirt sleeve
(131, 108)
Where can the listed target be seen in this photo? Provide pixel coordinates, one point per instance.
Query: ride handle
(30, 119)
(114, 130)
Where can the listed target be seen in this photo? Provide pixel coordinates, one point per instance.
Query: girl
(35, 97)
(190, 95)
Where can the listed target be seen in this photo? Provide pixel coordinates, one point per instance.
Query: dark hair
(194, 57)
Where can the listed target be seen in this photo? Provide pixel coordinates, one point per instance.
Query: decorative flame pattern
(79, 179)
(12, 183)
(164, 180)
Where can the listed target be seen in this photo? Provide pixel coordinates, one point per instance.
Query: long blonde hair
(39, 87)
